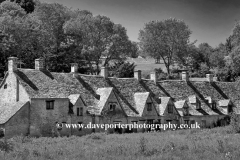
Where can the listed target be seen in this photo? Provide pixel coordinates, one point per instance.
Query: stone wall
(19, 123)
(43, 121)
(12, 91)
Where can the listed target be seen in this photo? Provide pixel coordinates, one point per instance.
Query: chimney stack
(74, 67)
(209, 77)
(12, 64)
(39, 64)
(153, 76)
(185, 76)
(138, 74)
(104, 72)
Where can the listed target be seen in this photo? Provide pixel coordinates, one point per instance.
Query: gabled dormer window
(149, 106)
(50, 104)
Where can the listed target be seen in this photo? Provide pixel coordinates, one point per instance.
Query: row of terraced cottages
(33, 101)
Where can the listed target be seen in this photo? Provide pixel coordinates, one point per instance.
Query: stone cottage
(33, 101)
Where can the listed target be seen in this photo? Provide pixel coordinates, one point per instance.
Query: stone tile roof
(73, 98)
(43, 84)
(180, 104)
(192, 99)
(8, 110)
(224, 103)
(140, 101)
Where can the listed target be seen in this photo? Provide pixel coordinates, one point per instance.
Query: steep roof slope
(45, 84)
(140, 101)
(8, 110)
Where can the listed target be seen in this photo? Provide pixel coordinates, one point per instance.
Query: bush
(6, 145)
(235, 123)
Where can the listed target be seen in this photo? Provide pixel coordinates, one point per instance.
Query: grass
(147, 65)
(207, 144)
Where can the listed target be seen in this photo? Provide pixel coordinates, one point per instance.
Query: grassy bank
(218, 143)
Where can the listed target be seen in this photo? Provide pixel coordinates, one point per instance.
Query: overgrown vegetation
(206, 144)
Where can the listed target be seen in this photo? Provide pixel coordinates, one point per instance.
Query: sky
(210, 21)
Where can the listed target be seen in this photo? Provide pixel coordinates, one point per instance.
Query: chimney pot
(74, 67)
(209, 77)
(185, 76)
(138, 74)
(39, 64)
(104, 72)
(153, 76)
(12, 64)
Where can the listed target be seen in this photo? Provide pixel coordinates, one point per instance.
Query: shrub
(235, 123)
(6, 145)
(142, 145)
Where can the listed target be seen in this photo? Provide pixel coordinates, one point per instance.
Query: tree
(216, 58)
(134, 50)
(23, 34)
(52, 18)
(27, 5)
(122, 69)
(205, 51)
(167, 39)
(97, 38)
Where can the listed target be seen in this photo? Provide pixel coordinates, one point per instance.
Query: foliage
(98, 37)
(167, 39)
(122, 69)
(235, 122)
(134, 50)
(27, 5)
(203, 70)
(209, 144)
(61, 36)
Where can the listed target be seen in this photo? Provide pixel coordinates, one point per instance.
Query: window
(59, 126)
(70, 110)
(192, 121)
(185, 111)
(80, 126)
(207, 101)
(198, 105)
(203, 123)
(170, 109)
(169, 121)
(149, 106)
(230, 109)
(214, 106)
(80, 111)
(5, 86)
(186, 122)
(50, 105)
(112, 106)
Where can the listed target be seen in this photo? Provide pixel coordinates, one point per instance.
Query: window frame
(214, 105)
(198, 105)
(185, 111)
(112, 106)
(79, 111)
(170, 108)
(80, 129)
(50, 104)
(149, 106)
